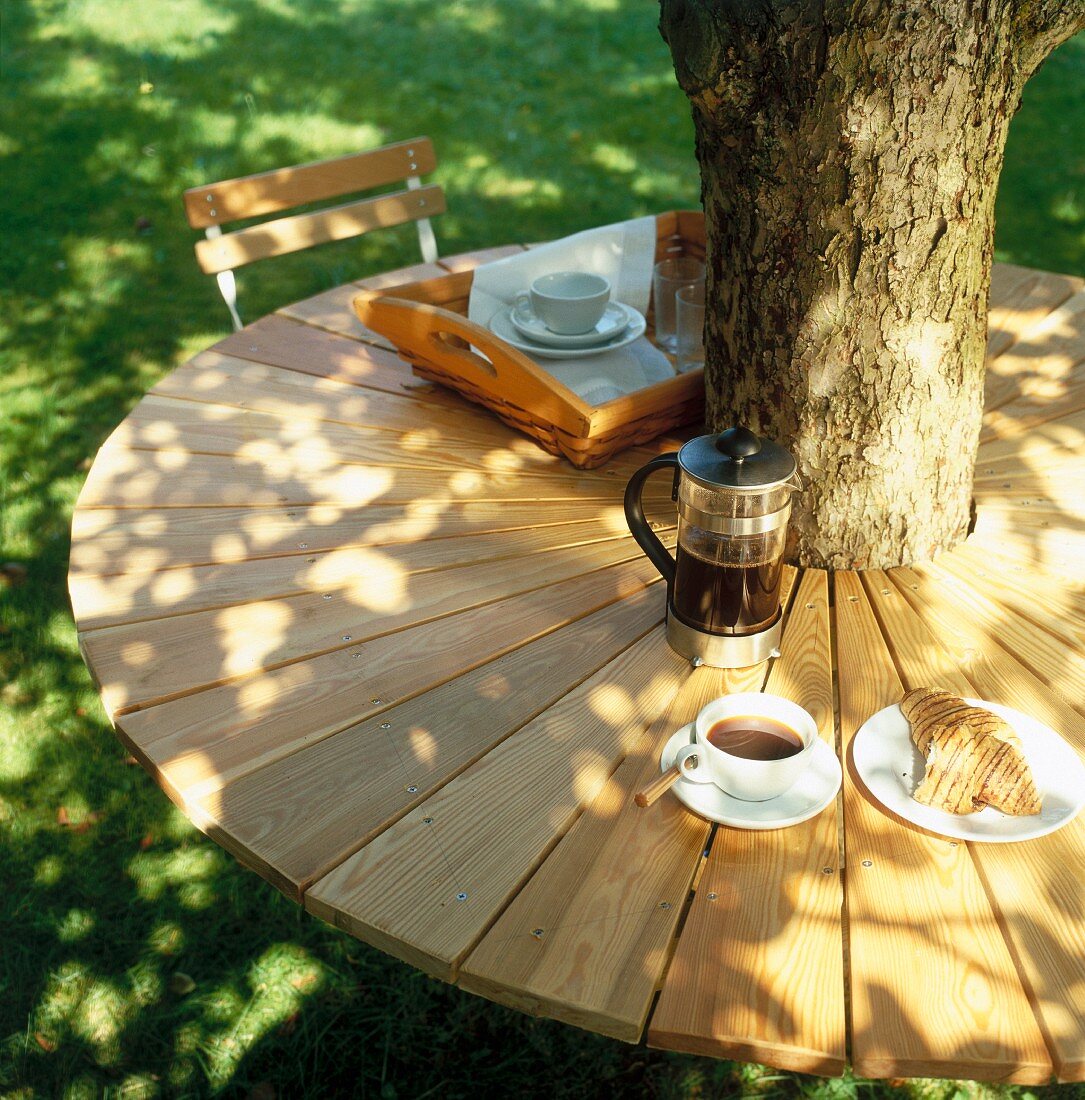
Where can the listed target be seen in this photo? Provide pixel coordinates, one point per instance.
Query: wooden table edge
(628, 1031)
(1071, 1072)
(795, 1059)
(881, 1067)
(435, 967)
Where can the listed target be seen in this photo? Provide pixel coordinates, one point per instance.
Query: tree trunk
(849, 158)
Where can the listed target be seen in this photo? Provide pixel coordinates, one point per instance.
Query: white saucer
(501, 325)
(616, 318)
(890, 766)
(815, 789)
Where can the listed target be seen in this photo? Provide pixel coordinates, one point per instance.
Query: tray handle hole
(449, 341)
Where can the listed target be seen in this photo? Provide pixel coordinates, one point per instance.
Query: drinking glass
(668, 277)
(689, 306)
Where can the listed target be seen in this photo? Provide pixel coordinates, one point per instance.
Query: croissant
(974, 758)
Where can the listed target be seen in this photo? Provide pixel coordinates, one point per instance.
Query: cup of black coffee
(752, 745)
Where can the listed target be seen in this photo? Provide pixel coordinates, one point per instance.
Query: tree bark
(850, 154)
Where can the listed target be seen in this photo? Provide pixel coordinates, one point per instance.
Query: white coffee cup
(570, 302)
(749, 780)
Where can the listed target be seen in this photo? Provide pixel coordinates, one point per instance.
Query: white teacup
(570, 302)
(748, 779)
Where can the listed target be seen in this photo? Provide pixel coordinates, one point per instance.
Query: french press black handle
(638, 525)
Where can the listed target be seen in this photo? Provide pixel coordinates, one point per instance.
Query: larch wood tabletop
(411, 670)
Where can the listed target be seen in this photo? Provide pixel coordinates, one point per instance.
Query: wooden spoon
(654, 789)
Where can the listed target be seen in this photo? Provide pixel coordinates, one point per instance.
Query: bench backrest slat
(276, 238)
(283, 188)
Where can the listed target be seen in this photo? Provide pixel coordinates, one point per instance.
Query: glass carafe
(733, 492)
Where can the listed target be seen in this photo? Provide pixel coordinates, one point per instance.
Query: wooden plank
(335, 223)
(1037, 399)
(140, 664)
(1019, 579)
(1030, 528)
(1020, 299)
(1060, 484)
(998, 673)
(470, 846)
(135, 595)
(1043, 358)
(1027, 526)
(123, 478)
(587, 938)
(1005, 281)
(200, 742)
(413, 273)
(1036, 884)
(171, 423)
(1050, 563)
(282, 188)
(226, 380)
(1052, 653)
(1058, 443)
(1060, 487)
(425, 420)
(1048, 550)
(279, 341)
(468, 261)
(1056, 608)
(934, 989)
(333, 310)
(1040, 480)
(108, 540)
(269, 818)
(1027, 412)
(759, 970)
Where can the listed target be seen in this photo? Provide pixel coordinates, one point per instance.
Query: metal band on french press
(729, 525)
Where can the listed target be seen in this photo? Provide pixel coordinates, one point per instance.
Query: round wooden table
(411, 670)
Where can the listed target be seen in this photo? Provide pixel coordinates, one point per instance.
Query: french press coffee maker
(733, 492)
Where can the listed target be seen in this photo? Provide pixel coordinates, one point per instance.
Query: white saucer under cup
(616, 318)
(501, 326)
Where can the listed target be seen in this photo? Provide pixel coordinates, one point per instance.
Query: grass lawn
(138, 959)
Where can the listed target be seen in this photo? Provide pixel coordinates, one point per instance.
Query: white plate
(501, 325)
(891, 767)
(809, 796)
(613, 322)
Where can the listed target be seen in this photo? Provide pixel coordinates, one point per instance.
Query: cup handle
(691, 764)
(521, 301)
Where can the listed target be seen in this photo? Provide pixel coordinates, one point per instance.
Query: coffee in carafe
(724, 598)
(734, 498)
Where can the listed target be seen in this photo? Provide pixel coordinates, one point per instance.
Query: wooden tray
(427, 322)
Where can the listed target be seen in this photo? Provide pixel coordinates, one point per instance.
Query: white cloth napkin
(623, 253)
